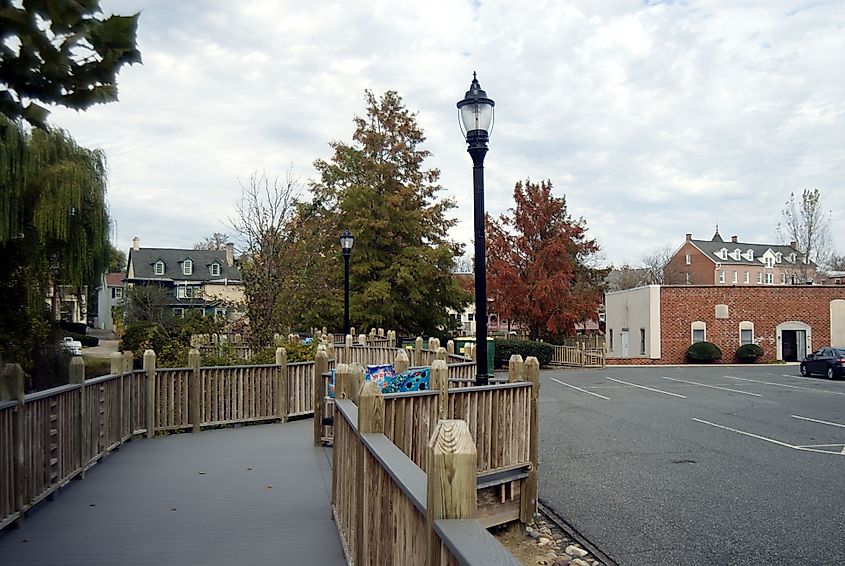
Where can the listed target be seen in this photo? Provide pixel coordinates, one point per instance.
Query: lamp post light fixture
(476, 118)
(346, 243)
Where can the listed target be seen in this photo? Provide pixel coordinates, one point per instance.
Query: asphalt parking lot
(697, 465)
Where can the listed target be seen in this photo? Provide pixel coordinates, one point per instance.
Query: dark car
(827, 361)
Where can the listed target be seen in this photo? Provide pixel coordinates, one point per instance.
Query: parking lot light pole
(475, 113)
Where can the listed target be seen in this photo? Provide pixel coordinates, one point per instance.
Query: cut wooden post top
(149, 359)
(370, 408)
(281, 356)
(115, 362)
(77, 369)
(441, 353)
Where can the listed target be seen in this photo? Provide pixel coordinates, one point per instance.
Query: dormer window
(187, 267)
(769, 261)
(159, 267)
(723, 253)
(214, 269)
(749, 255)
(778, 257)
(792, 257)
(736, 254)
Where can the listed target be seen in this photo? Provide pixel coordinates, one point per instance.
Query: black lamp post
(476, 119)
(346, 243)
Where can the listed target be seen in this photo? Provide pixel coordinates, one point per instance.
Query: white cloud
(655, 119)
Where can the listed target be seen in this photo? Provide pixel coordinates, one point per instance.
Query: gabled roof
(143, 261)
(711, 249)
(115, 279)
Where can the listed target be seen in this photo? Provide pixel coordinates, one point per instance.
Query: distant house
(207, 281)
(716, 262)
(109, 295)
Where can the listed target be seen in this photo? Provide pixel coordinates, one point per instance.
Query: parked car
(71, 346)
(827, 361)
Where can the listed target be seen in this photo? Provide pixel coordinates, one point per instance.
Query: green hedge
(704, 352)
(748, 353)
(506, 348)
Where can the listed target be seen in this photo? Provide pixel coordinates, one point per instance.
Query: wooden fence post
(440, 383)
(342, 381)
(362, 339)
(77, 377)
(370, 420)
(381, 332)
(450, 347)
(282, 384)
(321, 365)
(441, 353)
(126, 394)
(418, 344)
(116, 368)
(401, 363)
(12, 390)
(451, 479)
(195, 390)
(358, 378)
(391, 338)
(150, 393)
(352, 331)
(516, 369)
(528, 498)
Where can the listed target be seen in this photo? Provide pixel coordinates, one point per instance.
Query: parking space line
(784, 385)
(581, 390)
(648, 388)
(817, 421)
(711, 386)
(772, 440)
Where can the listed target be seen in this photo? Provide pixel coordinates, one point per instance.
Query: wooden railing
(579, 357)
(389, 511)
(50, 437)
(502, 421)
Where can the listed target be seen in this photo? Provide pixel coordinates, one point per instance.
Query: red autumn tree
(537, 264)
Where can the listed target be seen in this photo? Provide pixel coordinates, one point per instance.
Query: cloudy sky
(653, 118)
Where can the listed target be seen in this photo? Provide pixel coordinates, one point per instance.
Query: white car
(71, 346)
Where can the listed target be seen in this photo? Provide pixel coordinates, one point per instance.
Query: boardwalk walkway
(244, 496)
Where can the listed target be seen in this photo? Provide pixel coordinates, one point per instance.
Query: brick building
(717, 262)
(656, 324)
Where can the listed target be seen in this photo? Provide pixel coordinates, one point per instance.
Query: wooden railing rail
(371, 475)
(578, 357)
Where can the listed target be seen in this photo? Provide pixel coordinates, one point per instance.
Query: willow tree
(379, 187)
(53, 228)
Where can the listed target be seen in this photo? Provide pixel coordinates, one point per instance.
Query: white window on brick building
(721, 277)
(770, 279)
(699, 331)
(746, 332)
(735, 279)
(688, 259)
(747, 277)
(760, 278)
(689, 279)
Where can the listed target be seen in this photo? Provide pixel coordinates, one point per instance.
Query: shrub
(506, 348)
(75, 327)
(704, 352)
(748, 353)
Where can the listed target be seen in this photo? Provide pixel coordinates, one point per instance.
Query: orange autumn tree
(538, 256)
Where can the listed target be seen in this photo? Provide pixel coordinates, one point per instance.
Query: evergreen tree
(538, 264)
(378, 187)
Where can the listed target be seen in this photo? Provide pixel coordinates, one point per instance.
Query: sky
(653, 119)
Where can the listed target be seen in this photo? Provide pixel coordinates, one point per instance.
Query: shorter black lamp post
(346, 243)
(476, 119)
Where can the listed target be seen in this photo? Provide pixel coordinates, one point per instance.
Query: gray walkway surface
(251, 495)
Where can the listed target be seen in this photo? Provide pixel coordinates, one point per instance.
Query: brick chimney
(793, 244)
(136, 243)
(230, 254)
(733, 239)
(689, 237)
